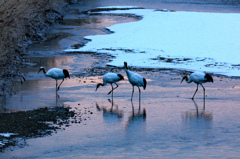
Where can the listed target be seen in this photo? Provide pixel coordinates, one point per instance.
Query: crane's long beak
(98, 85)
(184, 78)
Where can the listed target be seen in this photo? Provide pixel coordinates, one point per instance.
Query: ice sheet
(193, 41)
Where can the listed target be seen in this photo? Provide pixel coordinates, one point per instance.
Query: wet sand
(174, 125)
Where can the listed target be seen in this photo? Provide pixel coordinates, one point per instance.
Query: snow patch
(7, 134)
(166, 39)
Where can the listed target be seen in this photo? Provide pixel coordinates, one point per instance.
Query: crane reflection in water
(110, 112)
(198, 119)
(136, 118)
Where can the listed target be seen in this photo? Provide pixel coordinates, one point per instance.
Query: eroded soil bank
(21, 24)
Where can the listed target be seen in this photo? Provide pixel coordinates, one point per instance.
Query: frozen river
(193, 41)
(168, 124)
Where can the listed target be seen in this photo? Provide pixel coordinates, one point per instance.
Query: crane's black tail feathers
(145, 83)
(209, 78)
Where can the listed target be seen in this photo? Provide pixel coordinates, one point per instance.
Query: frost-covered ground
(180, 40)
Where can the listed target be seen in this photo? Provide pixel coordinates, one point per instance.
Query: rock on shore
(22, 23)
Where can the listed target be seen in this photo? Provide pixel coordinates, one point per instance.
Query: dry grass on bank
(21, 23)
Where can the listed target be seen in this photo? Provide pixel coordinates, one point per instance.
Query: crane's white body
(110, 78)
(197, 77)
(55, 73)
(135, 79)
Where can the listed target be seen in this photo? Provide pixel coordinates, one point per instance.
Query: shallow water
(174, 125)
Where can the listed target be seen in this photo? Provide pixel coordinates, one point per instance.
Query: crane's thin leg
(60, 84)
(132, 93)
(56, 90)
(195, 92)
(116, 86)
(113, 89)
(112, 104)
(132, 105)
(203, 91)
(204, 104)
(196, 107)
(56, 98)
(56, 86)
(203, 96)
(139, 97)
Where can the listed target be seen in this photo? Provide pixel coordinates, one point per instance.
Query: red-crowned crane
(198, 78)
(110, 78)
(57, 74)
(136, 80)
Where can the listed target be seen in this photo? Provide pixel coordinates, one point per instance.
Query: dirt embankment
(22, 23)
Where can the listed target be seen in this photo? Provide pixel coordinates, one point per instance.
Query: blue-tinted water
(174, 125)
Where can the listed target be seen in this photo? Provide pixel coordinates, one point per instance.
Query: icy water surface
(174, 125)
(168, 124)
(193, 41)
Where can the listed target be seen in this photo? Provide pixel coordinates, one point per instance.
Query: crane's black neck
(66, 73)
(42, 69)
(185, 78)
(208, 78)
(98, 85)
(125, 65)
(120, 77)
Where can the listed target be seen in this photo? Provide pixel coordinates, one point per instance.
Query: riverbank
(21, 24)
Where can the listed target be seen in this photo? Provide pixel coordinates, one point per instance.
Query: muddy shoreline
(35, 123)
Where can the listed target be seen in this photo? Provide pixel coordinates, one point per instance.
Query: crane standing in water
(110, 78)
(57, 74)
(198, 78)
(136, 80)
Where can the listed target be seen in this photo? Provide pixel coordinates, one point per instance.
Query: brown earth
(22, 23)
